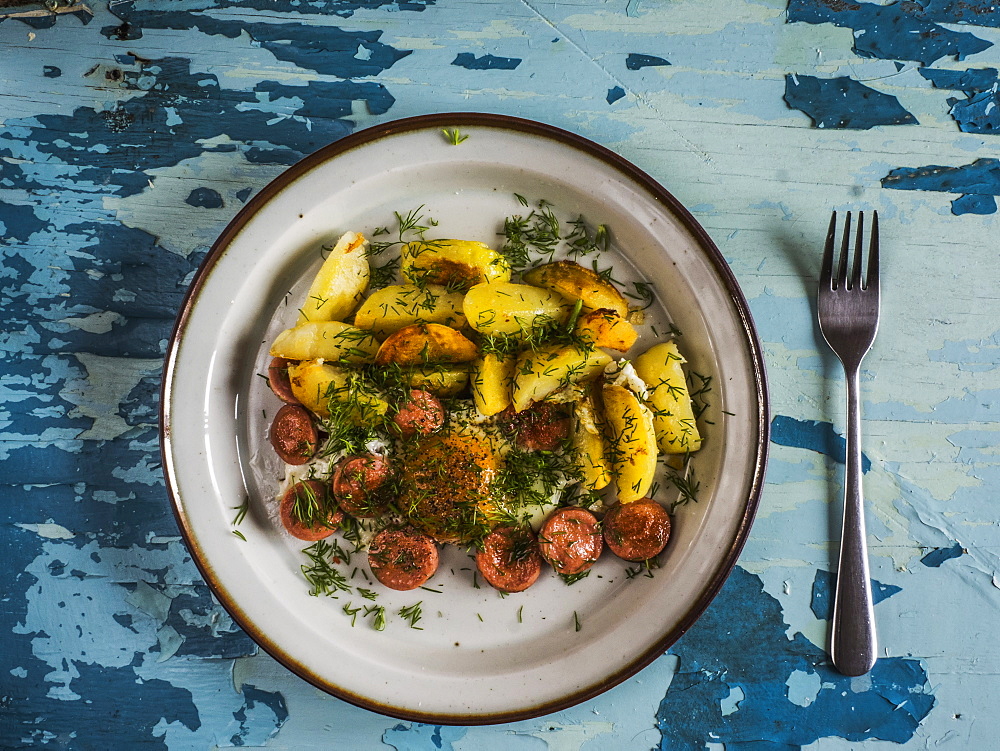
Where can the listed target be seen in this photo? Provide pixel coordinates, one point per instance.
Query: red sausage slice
(293, 434)
(509, 559)
(305, 511)
(541, 427)
(570, 540)
(637, 531)
(421, 413)
(356, 481)
(277, 378)
(402, 559)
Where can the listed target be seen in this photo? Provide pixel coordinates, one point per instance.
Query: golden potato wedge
(426, 344)
(590, 446)
(442, 382)
(340, 282)
(633, 442)
(576, 282)
(512, 309)
(391, 308)
(605, 328)
(459, 264)
(325, 340)
(661, 369)
(540, 372)
(492, 378)
(318, 384)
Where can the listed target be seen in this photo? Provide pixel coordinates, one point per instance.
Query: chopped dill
(413, 614)
(453, 136)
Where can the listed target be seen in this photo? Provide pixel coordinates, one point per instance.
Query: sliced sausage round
(540, 427)
(277, 378)
(637, 531)
(570, 540)
(420, 413)
(509, 559)
(402, 559)
(358, 485)
(293, 434)
(306, 511)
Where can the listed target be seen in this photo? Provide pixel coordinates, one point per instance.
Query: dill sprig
(323, 577)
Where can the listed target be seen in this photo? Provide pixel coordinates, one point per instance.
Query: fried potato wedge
(492, 377)
(576, 282)
(319, 385)
(442, 382)
(543, 371)
(458, 264)
(512, 309)
(661, 369)
(325, 340)
(340, 282)
(426, 344)
(605, 328)
(391, 308)
(633, 442)
(591, 447)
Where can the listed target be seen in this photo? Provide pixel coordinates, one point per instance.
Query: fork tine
(841, 280)
(855, 281)
(872, 276)
(826, 272)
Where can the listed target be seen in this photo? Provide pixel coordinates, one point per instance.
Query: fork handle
(853, 644)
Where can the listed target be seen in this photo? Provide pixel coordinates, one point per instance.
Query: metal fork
(848, 308)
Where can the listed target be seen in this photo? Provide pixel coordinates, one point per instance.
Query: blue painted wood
(130, 136)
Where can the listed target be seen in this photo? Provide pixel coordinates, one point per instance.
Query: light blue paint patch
(787, 214)
(260, 718)
(420, 737)
(780, 471)
(803, 687)
(787, 320)
(731, 703)
(971, 355)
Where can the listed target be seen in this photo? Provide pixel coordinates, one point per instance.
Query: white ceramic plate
(480, 658)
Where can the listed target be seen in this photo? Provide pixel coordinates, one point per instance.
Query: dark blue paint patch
(637, 60)
(888, 32)
(823, 585)
(741, 640)
(20, 221)
(249, 715)
(939, 555)
(485, 62)
(207, 632)
(39, 22)
(970, 81)
(615, 93)
(812, 435)
(975, 12)
(205, 198)
(973, 204)
(844, 103)
(244, 193)
(977, 113)
(982, 177)
(51, 71)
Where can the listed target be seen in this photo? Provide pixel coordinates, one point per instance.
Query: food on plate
(396, 306)
(660, 368)
(340, 283)
(632, 440)
(636, 531)
(576, 282)
(307, 513)
(293, 434)
(457, 264)
(402, 559)
(475, 406)
(570, 540)
(424, 344)
(509, 560)
(325, 340)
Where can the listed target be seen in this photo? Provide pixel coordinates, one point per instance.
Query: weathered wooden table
(130, 135)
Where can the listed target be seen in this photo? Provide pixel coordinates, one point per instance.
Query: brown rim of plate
(622, 165)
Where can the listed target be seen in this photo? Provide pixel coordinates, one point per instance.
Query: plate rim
(577, 142)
